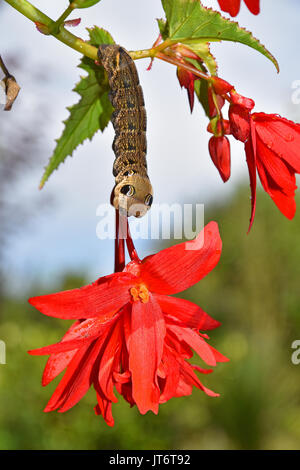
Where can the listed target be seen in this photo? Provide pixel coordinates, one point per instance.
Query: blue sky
(64, 237)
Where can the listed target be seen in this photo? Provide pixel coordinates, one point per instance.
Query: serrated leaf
(189, 22)
(91, 113)
(84, 3)
(163, 29)
(203, 51)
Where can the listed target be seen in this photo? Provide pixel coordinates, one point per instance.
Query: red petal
(277, 169)
(218, 356)
(201, 370)
(100, 299)
(69, 377)
(253, 6)
(109, 358)
(83, 332)
(181, 266)
(191, 378)
(230, 6)
(286, 204)
(104, 408)
(250, 149)
(59, 361)
(281, 136)
(60, 347)
(194, 341)
(188, 313)
(170, 384)
(78, 377)
(145, 353)
(77, 388)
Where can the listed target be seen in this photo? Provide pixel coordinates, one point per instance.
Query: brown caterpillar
(133, 191)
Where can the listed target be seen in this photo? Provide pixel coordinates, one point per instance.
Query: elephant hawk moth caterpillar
(133, 191)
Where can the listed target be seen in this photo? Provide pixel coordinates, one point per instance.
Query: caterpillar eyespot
(133, 191)
(149, 200)
(128, 190)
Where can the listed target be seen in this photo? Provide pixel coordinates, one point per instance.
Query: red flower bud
(247, 103)
(239, 118)
(222, 127)
(212, 107)
(186, 80)
(219, 149)
(221, 87)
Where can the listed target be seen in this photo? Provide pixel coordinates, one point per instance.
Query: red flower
(273, 149)
(219, 149)
(130, 335)
(233, 6)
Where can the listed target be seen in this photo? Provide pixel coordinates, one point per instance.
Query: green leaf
(192, 24)
(201, 90)
(91, 113)
(84, 3)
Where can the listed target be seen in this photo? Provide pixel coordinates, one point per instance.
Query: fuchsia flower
(233, 6)
(130, 335)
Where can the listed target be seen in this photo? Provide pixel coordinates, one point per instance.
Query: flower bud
(239, 118)
(219, 149)
(219, 127)
(246, 103)
(221, 87)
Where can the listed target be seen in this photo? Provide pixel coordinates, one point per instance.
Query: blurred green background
(254, 292)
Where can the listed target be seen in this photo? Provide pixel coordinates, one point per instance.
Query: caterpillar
(132, 191)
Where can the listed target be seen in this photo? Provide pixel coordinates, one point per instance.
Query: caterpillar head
(133, 195)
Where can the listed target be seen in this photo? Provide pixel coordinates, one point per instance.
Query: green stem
(58, 23)
(35, 15)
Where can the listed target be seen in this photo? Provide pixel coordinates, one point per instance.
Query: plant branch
(35, 15)
(59, 23)
(57, 30)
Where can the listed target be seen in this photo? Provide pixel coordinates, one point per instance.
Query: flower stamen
(140, 293)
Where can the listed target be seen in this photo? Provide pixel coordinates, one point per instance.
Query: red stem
(183, 65)
(123, 233)
(119, 246)
(130, 246)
